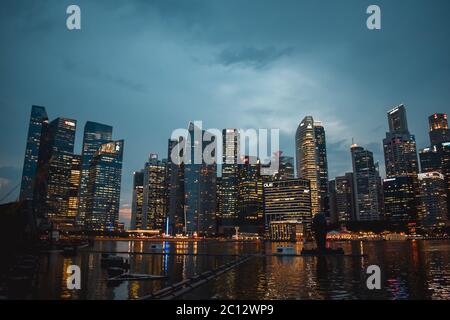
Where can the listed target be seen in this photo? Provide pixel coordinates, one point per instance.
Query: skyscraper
(199, 188)
(439, 131)
(228, 201)
(175, 188)
(136, 205)
(75, 173)
(103, 200)
(286, 202)
(365, 183)
(400, 152)
(38, 119)
(54, 172)
(436, 158)
(345, 202)
(400, 205)
(286, 168)
(95, 135)
(433, 196)
(250, 196)
(311, 159)
(154, 203)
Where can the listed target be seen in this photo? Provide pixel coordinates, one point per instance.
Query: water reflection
(410, 270)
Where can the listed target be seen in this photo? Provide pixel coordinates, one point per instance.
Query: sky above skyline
(149, 67)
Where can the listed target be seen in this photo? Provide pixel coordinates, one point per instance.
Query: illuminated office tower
(345, 202)
(228, 187)
(199, 188)
(366, 185)
(250, 190)
(54, 172)
(311, 161)
(105, 175)
(175, 189)
(136, 205)
(154, 203)
(287, 203)
(75, 173)
(38, 120)
(433, 196)
(436, 158)
(439, 131)
(95, 134)
(400, 205)
(400, 152)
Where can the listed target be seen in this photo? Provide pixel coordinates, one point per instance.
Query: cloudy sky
(148, 67)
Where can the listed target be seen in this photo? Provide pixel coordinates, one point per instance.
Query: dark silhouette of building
(433, 196)
(137, 200)
(38, 120)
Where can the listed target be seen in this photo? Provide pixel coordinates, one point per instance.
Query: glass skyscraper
(105, 174)
(136, 206)
(154, 203)
(311, 162)
(199, 188)
(433, 196)
(439, 131)
(38, 119)
(95, 134)
(228, 201)
(54, 172)
(366, 184)
(175, 188)
(400, 156)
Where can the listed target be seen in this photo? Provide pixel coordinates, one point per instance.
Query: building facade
(366, 184)
(433, 196)
(286, 201)
(94, 136)
(105, 175)
(137, 200)
(38, 122)
(311, 161)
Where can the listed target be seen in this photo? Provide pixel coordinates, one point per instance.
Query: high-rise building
(286, 168)
(38, 119)
(199, 187)
(311, 159)
(75, 173)
(433, 196)
(105, 174)
(439, 131)
(54, 172)
(95, 135)
(250, 206)
(286, 201)
(366, 184)
(436, 158)
(228, 201)
(138, 196)
(175, 189)
(154, 204)
(345, 201)
(400, 152)
(400, 205)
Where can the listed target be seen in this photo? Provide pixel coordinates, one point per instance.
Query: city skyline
(280, 82)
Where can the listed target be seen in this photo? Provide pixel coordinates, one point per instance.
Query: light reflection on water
(410, 270)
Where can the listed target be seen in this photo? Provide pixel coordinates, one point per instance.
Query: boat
(285, 251)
